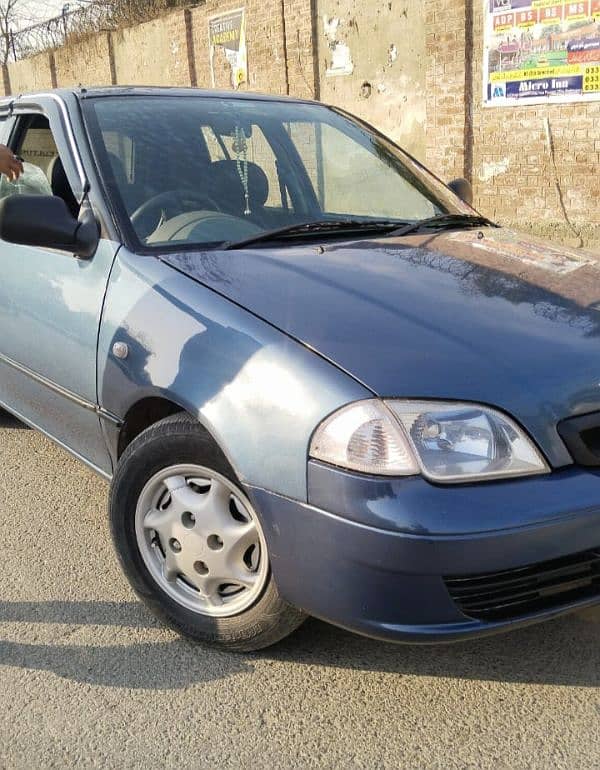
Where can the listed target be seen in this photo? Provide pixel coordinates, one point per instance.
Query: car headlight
(446, 442)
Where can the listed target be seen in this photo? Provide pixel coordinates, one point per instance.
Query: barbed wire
(54, 32)
(93, 16)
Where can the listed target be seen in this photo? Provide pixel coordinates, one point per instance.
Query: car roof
(87, 92)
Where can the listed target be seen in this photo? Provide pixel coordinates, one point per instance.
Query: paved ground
(87, 677)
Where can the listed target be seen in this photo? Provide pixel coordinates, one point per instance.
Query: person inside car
(10, 165)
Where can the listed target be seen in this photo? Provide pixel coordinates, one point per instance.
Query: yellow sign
(527, 19)
(539, 72)
(552, 14)
(577, 11)
(541, 51)
(591, 79)
(228, 53)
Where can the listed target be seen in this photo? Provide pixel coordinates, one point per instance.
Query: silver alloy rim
(201, 540)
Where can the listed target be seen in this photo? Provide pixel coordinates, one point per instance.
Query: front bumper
(371, 554)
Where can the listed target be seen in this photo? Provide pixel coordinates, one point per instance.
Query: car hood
(488, 316)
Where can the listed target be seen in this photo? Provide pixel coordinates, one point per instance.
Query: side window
(6, 126)
(37, 145)
(38, 150)
(43, 170)
(261, 153)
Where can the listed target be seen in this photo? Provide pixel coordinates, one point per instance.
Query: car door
(50, 301)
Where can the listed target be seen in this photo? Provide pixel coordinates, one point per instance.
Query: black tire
(181, 439)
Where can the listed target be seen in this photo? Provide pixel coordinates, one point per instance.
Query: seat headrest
(60, 184)
(225, 185)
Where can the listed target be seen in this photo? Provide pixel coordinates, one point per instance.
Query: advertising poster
(541, 51)
(228, 52)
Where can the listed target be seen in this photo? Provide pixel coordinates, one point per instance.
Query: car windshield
(187, 171)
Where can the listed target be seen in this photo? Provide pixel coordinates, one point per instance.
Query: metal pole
(65, 12)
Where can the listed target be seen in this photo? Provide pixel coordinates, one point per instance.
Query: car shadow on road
(561, 652)
(565, 651)
(7, 420)
(169, 663)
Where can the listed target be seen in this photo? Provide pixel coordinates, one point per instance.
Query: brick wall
(264, 36)
(514, 175)
(84, 62)
(445, 35)
(174, 50)
(504, 150)
(300, 49)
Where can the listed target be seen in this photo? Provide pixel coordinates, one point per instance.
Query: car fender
(259, 392)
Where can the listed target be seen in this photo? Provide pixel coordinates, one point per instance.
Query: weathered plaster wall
(85, 62)
(154, 53)
(33, 74)
(371, 59)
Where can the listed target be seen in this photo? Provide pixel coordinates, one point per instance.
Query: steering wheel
(167, 205)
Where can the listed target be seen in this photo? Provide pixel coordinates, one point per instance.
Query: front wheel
(190, 542)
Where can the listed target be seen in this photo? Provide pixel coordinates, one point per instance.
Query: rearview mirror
(45, 221)
(463, 189)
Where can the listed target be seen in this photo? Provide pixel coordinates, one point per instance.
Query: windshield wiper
(445, 221)
(324, 226)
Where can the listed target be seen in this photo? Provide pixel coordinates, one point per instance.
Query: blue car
(318, 382)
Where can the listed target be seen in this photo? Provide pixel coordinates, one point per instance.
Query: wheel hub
(201, 540)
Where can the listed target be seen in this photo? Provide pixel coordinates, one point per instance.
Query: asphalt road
(87, 677)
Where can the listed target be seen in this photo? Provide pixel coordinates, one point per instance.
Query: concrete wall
(371, 59)
(154, 53)
(33, 74)
(85, 62)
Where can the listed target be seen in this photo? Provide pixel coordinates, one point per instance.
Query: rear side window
(214, 145)
(38, 150)
(43, 173)
(37, 145)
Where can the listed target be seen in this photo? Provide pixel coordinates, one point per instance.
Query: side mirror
(45, 221)
(463, 189)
